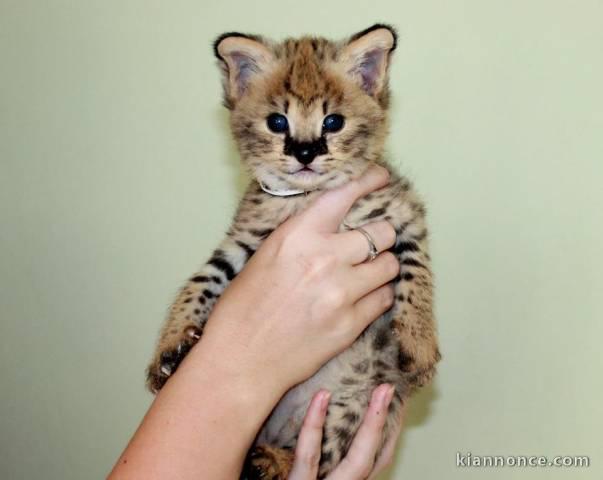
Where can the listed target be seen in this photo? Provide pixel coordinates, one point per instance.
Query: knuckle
(283, 240)
(310, 459)
(388, 461)
(389, 233)
(384, 172)
(320, 265)
(391, 263)
(387, 297)
(335, 297)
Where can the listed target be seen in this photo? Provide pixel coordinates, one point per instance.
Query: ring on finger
(372, 251)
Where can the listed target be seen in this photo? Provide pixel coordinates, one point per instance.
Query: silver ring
(373, 252)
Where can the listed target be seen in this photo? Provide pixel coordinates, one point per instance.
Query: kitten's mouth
(305, 169)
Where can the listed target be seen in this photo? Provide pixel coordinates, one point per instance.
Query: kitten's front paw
(169, 356)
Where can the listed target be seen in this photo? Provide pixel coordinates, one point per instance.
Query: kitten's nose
(305, 153)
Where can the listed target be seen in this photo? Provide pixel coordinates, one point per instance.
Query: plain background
(118, 177)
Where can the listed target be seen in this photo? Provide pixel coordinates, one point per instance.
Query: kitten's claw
(168, 360)
(193, 332)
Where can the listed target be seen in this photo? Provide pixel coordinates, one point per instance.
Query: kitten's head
(307, 113)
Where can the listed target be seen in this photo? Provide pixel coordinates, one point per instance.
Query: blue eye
(277, 123)
(332, 123)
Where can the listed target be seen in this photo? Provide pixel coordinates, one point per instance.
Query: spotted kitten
(310, 114)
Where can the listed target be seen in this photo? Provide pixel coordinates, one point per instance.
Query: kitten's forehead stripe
(304, 65)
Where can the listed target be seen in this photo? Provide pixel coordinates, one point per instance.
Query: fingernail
(324, 400)
(386, 396)
(390, 394)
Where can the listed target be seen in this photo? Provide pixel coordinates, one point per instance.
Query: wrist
(240, 380)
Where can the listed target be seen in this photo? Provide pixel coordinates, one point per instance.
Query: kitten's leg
(412, 313)
(268, 463)
(190, 311)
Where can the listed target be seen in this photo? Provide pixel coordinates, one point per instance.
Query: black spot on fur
(412, 262)
(402, 247)
(344, 436)
(262, 233)
(326, 456)
(381, 339)
(248, 250)
(404, 361)
(208, 293)
(361, 367)
(351, 417)
(407, 276)
(199, 279)
(224, 266)
(375, 213)
(420, 236)
(381, 365)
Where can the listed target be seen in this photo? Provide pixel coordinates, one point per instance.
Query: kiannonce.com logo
(488, 461)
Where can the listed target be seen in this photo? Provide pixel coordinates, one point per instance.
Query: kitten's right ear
(241, 58)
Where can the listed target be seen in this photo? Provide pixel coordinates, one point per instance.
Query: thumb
(328, 211)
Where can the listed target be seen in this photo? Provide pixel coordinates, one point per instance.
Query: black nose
(305, 152)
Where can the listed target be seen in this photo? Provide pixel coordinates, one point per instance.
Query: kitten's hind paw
(169, 357)
(268, 463)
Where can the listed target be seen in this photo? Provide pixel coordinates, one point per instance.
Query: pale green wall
(117, 177)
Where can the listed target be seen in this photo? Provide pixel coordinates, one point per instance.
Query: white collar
(281, 193)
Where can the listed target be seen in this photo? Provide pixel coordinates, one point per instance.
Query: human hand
(306, 294)
(361, 461)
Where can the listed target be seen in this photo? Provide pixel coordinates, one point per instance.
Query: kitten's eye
(277, 123)
(332, 123)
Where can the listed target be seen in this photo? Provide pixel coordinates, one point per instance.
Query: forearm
(203, 421)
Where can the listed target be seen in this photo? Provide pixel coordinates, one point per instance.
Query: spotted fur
(306, 79)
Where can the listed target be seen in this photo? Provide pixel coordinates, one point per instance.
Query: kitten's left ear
(366, 57)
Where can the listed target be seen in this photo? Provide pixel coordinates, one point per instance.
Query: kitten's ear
(366, 57)
(241, 58)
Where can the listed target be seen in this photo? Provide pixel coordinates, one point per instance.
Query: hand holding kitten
(306, 294)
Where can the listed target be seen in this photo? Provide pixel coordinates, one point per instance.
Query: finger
(359, 461)
(372, 306)
(354, 246)
(364, 278)
(386, 456)
(307, 450)
(329, 209)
